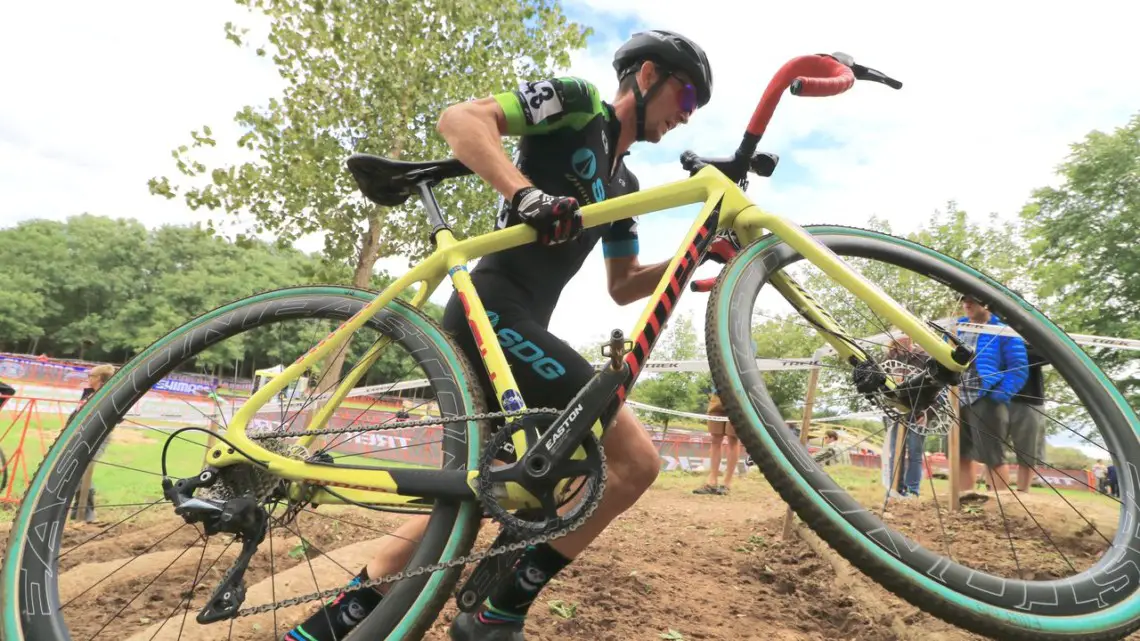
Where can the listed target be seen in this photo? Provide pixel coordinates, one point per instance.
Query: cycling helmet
(670, 50)
(673, 53)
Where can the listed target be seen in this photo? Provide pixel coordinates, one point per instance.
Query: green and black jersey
(568, 139)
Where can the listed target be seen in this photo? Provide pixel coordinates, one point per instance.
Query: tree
(367, 76)
(787, 337)
(674, 390)
(104, 289)
(1085, 244)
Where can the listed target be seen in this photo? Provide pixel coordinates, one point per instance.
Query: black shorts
(548, 371)
(984, 431)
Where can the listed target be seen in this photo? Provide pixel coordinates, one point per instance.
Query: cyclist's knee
(631, 454)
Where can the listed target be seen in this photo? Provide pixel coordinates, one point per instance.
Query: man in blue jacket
(999, 369)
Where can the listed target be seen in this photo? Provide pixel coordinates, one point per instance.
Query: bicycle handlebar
(809, 76)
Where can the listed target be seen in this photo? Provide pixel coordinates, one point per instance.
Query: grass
(865, 485)
(129, 471)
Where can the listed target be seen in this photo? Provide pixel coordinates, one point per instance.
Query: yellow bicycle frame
(377, 486)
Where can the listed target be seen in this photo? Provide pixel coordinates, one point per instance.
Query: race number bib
(541, 100)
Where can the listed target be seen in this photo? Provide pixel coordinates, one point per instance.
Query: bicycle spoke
(99, 534)
(128, 562)
(144, 589)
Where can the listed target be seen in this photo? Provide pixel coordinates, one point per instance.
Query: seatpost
(435, 216)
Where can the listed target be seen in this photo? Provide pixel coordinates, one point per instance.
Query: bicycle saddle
(391, 182)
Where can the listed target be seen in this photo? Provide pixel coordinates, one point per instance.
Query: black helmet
(670, 50)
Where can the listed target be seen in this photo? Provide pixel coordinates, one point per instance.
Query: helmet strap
(641, 100)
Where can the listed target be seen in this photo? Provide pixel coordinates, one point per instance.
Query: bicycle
(1101, 602)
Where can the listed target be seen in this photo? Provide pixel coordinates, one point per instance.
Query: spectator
(1111, 482)
(96, 377)
(832, 452)
(1100, 473)
(1026, 429)
(909, 359)
(999, 369)
(723, 434)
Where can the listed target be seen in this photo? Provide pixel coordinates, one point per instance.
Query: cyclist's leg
(631, 460)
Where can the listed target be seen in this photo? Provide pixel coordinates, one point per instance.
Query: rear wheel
(1100, 601)
(30, 591)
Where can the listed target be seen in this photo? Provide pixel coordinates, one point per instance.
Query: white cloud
(993, 95)
(97, 98)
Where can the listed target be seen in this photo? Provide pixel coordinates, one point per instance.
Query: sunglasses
(687, 98)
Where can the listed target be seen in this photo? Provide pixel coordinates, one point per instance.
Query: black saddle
(391, 182)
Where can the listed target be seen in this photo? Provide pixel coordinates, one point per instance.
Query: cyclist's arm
(630, 281)
(473, 131)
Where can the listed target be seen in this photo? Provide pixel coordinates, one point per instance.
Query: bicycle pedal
(475, 590)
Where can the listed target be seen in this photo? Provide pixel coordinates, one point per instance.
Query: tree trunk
(370, 246)
(369, 249)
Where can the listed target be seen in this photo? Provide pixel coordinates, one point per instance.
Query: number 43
(538, 93)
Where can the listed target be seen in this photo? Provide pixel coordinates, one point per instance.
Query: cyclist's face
(672, 106)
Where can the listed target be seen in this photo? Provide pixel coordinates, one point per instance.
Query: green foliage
(1085, 240)
(104, 289)
(682, 391)
(1068, 458)
(366, 76)
(786, 337)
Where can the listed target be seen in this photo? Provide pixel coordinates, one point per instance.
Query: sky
(96, 95)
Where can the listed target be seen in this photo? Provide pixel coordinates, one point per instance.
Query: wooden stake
(805, 427)
(901, 432)
(953, 445)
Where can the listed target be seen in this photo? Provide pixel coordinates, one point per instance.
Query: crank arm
(571, 427)
(487, 574)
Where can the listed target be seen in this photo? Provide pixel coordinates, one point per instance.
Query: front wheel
(1068, 584)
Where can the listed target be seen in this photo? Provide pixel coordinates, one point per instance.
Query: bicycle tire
(1100, 603)
(29, 593)
(3, 471)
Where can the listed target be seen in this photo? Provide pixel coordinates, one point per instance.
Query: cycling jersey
(569, 139)
(567, 148)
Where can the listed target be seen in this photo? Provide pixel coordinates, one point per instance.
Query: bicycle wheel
(1099, 602)
(30, 590)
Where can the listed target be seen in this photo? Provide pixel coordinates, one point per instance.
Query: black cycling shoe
(466, 627)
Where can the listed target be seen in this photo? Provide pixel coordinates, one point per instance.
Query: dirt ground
(676, 567)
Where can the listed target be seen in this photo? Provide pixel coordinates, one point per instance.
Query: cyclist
(571, 151)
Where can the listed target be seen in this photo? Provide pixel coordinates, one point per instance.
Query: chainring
(548, 520)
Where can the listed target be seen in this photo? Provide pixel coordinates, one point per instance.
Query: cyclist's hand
(556, 218)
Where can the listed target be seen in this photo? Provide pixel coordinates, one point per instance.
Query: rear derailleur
(242, 516)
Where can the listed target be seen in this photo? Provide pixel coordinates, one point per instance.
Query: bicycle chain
(432, 568)
(437, 420)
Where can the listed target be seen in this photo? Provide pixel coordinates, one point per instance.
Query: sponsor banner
(15, 369)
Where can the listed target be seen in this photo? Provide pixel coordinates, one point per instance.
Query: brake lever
(863, 72)
(874, 75)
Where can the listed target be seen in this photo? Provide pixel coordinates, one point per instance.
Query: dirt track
(705, 567)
